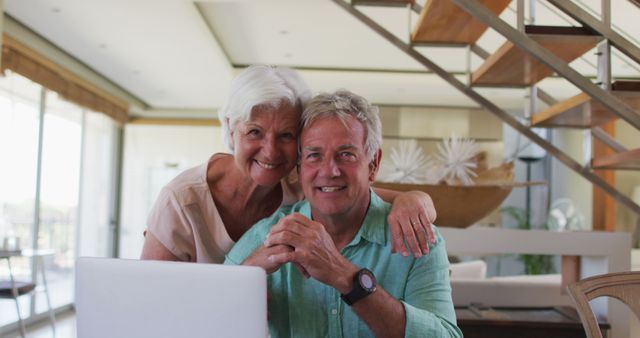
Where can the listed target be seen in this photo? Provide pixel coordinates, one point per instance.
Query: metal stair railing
(568, 21)
(549, 59)
(597, 132)
(491, 107)
(576, 12)
(624, 34)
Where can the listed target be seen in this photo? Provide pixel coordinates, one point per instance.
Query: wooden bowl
(460, 206)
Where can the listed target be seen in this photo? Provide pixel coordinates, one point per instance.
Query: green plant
(533, 264)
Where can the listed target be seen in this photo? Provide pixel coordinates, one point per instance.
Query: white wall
(153, 155)
(626, 181)
(566, 183)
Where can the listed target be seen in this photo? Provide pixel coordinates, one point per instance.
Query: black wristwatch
(364, 284)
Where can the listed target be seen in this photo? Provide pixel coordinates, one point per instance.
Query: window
(62, 199)
(97, 176)
(19, 124)
(59, 190)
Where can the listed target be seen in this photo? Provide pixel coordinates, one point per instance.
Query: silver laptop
(130, 298)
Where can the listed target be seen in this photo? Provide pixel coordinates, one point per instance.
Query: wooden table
(477, 321)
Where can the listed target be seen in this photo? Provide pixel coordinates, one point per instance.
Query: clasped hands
(308, 245)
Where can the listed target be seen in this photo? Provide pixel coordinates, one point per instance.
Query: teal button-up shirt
(301, 307)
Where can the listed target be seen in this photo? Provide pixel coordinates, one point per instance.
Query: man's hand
(313, 249)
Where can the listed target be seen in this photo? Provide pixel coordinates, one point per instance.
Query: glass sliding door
(59, 194)
(19, 126)
(56, 186)
(97, 177)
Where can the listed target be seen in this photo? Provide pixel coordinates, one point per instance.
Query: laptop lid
(133, 298)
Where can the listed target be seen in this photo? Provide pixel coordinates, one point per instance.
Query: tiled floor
(65, 328)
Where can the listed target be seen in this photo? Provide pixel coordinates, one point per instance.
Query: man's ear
(374, 165)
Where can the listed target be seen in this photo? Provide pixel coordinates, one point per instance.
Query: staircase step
(510, 66)
(581, 111)
(441, 21)
(390, 3)
(627, 160)
(633, 86)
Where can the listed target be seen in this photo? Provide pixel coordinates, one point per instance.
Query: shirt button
(334, 311)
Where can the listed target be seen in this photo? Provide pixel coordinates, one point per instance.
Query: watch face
(366, 281)
(364, 285)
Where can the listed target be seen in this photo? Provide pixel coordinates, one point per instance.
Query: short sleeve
(427, 301)
(171, 227)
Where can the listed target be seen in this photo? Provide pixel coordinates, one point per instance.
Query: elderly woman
(202, 212)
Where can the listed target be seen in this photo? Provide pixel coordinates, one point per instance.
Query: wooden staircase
(444, 22)
(510, 66)
(529, 55)
(627, 160)
(581, 111)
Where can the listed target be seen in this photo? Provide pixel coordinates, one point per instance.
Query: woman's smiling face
(265, 146)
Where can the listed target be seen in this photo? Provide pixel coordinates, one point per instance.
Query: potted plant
(533, 264)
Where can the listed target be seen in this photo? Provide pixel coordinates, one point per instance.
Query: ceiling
(179, 56)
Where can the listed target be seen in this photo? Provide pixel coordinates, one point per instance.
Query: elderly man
(342, 280)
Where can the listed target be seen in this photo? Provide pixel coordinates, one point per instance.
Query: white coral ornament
(408, 164)
(455, 161)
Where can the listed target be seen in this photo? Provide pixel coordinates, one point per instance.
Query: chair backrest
(624, 286)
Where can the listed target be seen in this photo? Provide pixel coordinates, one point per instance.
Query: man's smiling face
(335, 170)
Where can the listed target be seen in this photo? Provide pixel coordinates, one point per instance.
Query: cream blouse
(186, 221)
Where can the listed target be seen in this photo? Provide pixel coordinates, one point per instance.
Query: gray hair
(342, 104)
(261, 85)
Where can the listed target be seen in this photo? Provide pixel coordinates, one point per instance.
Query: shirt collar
(374, 228)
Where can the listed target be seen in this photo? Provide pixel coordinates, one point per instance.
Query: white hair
(342, 104)
(261, 85)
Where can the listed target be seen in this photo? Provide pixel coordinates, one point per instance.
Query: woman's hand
(412, 214)
(260, 257)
